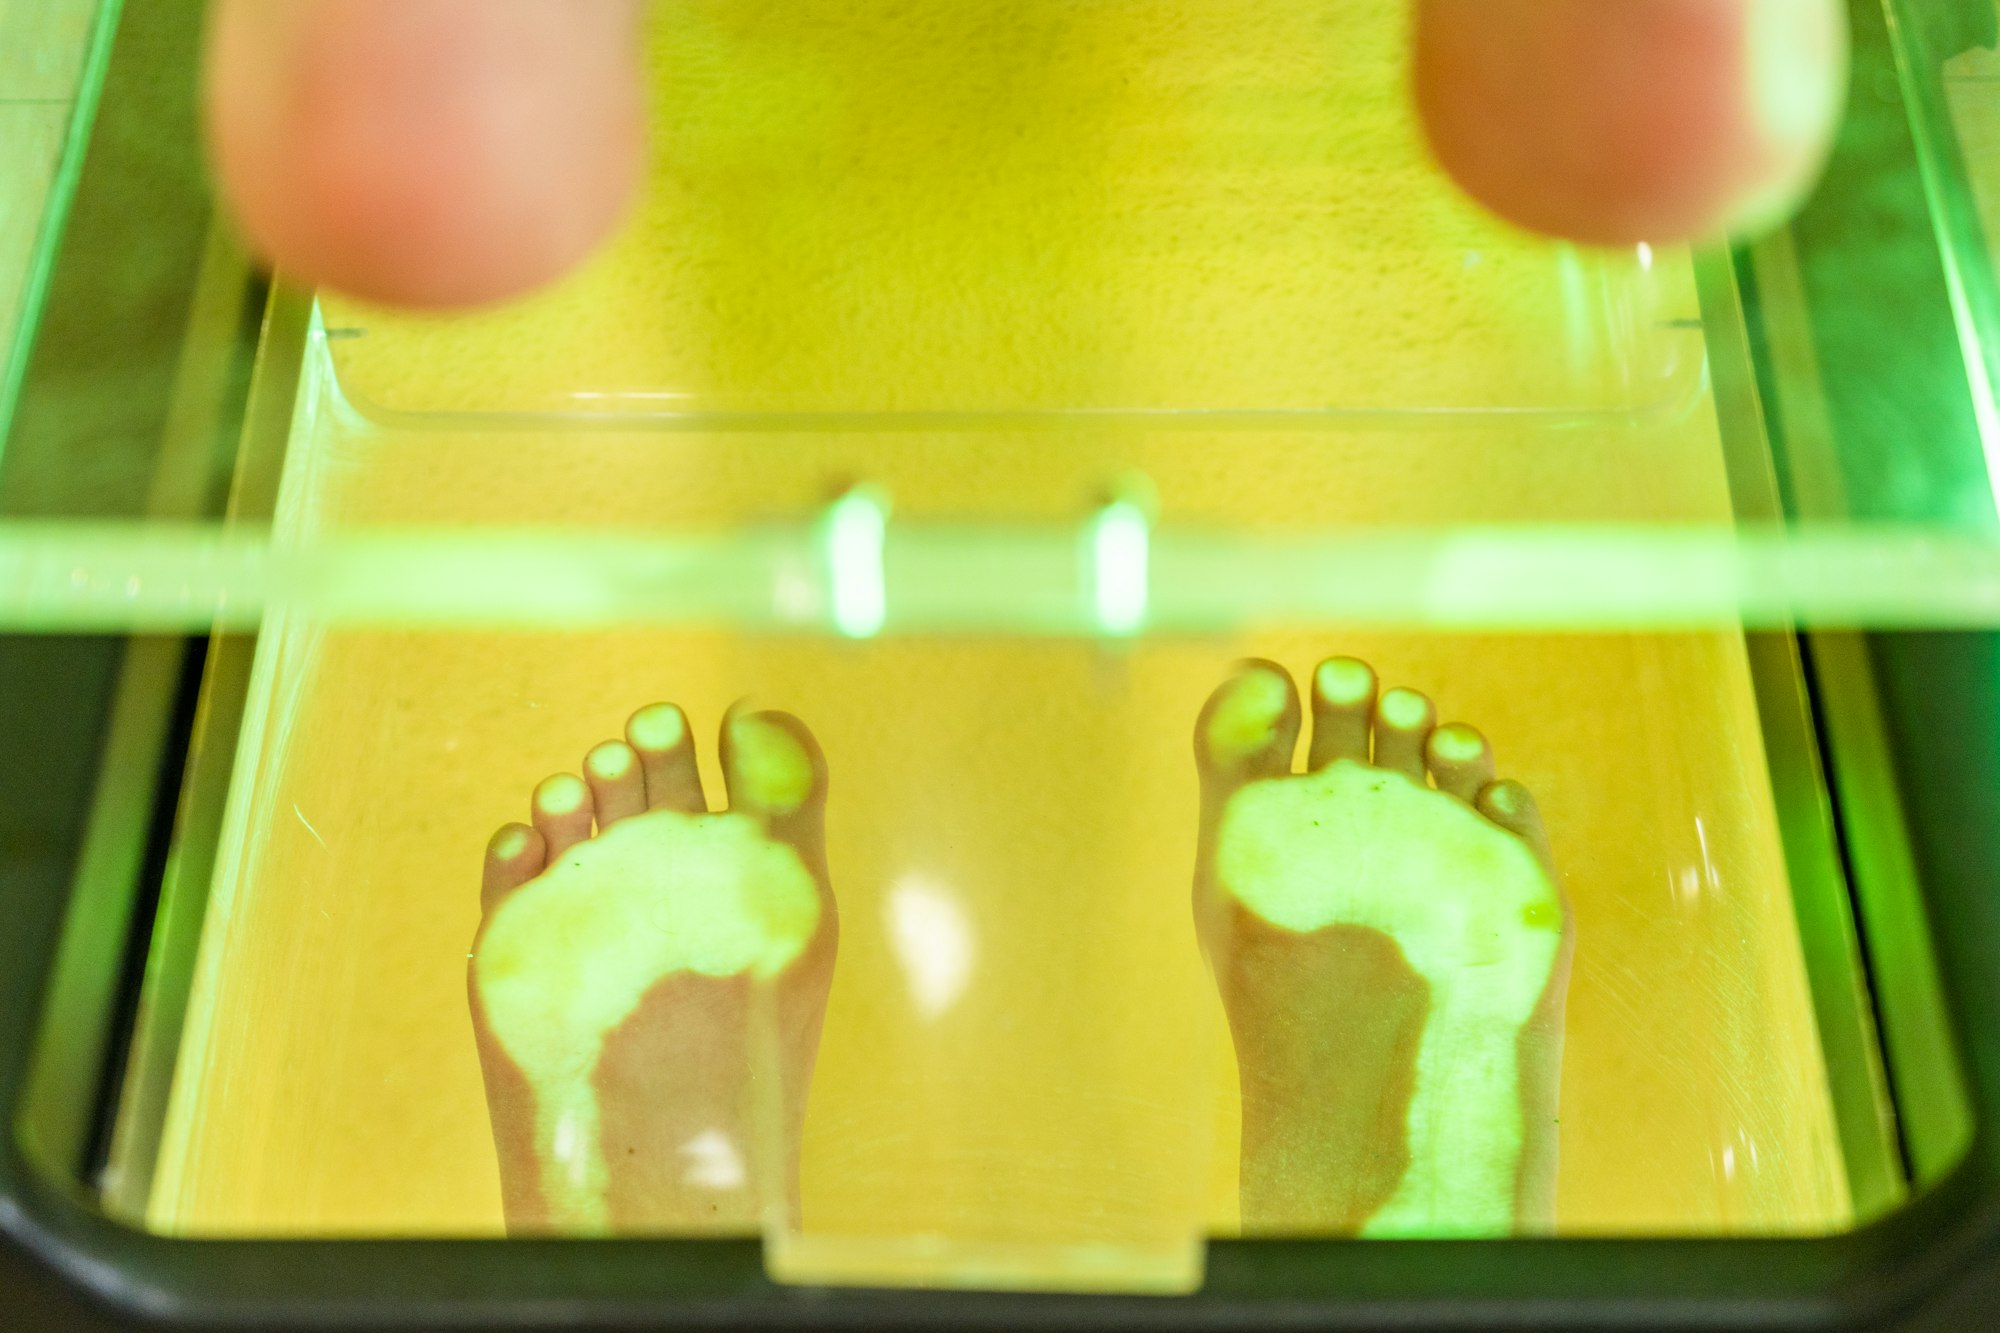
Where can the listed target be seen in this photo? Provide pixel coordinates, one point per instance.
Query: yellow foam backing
(865, 206)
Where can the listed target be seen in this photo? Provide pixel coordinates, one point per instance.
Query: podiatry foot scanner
(1062, 690)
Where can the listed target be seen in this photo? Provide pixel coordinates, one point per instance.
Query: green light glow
(857, 527)
(1017, 579)
(1119, 547)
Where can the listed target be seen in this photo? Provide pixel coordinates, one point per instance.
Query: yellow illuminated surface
(1148, 205)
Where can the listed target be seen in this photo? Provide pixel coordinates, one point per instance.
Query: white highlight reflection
(857, 529)
(1711, 877)
(569, 1148)
(933, 941)
(1120, 550)
(713, 1162)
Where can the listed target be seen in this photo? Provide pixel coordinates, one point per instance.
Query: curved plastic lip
(1063, 419)
(1661, 375)
(1680, 391)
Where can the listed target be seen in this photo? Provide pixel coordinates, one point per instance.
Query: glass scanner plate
(1154, 295)
(1079, 476)
(47, 45)
(1161, 210)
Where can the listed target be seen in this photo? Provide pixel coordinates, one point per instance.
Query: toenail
(772, 766)
(563, 794)
(658, 728)
(509, 843)
(1247, 715)
(613, 759)
(1404, 709)
(1456, 744)
(1344, 681)
(1503, 799)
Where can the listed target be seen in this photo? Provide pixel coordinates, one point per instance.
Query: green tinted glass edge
(48, 239)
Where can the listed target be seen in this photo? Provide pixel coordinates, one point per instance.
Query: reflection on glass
(934, 943)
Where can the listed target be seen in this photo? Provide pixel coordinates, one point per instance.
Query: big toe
(774, 770)
(1248, 728)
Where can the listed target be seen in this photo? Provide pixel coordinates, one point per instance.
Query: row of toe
(1250, 728)
(770, 763)
(1248, 731)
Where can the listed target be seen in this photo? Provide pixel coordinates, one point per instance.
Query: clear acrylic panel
(1070, 211)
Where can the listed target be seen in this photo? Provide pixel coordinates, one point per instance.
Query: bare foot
(618, 981)
(1393, 960)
